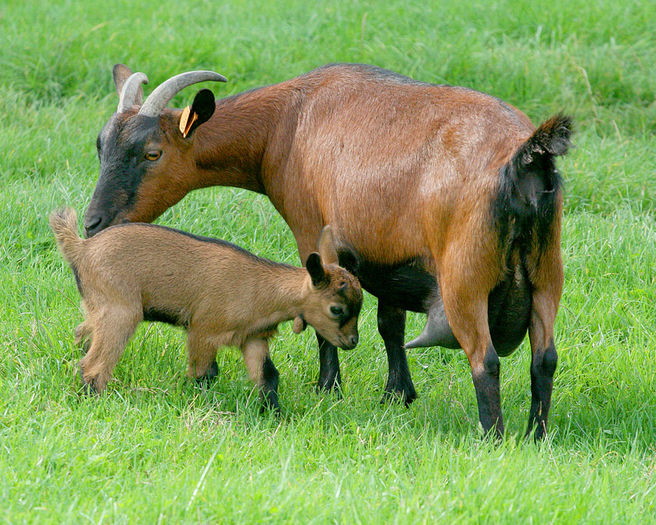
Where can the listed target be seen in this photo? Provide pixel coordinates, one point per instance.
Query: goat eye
(153, 155)
(337, 311)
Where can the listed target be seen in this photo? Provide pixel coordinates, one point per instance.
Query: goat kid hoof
(85, 345)
(89, 389)
(332, 382)
(330, 388)
(211, 374)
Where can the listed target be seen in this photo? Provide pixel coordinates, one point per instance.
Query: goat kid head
(333, 306)
(140, 143)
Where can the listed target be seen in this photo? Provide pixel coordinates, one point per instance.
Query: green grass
(158, 448)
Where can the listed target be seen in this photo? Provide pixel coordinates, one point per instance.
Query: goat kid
(222, 294)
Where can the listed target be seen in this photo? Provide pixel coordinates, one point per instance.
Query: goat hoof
(270, 402)
(399, 393)
(494, 435)
(538, 430)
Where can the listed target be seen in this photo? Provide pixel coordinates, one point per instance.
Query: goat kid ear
(315, 269)
(121, 73)
(299, 324)
(198, 113)
(327, 246)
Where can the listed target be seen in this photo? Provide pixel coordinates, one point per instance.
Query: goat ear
(299, 324)
(121, 73)
(327, 246)
(315, 269)
(198, 113)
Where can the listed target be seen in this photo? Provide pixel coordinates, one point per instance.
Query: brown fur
(222, 294)
(402, 170)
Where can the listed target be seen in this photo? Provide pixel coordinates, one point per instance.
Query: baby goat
(222, 294)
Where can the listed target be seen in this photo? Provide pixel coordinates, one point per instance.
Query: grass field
(159, 449)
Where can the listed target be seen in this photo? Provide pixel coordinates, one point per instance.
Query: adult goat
(443, 200)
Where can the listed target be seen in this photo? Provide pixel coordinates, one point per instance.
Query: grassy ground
(158, 448)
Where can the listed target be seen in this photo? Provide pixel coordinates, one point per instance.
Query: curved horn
(161, 96)
(130, 92)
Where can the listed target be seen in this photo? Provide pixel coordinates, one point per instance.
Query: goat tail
(63, 223)
(530, 186)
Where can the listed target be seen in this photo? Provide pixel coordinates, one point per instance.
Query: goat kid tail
(529, 183)
(63, 223)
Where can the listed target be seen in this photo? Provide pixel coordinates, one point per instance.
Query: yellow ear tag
(187, 120)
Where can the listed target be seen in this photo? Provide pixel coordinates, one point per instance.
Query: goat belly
(163, 315)
(408, 285)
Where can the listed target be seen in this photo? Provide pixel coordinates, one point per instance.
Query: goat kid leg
(329, 373)
(262, 371)
(202, 356)
(112, 329)
(391, 325)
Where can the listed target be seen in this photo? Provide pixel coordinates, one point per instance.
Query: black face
(126, 152)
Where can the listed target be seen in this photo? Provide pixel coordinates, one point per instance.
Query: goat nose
(92, 225)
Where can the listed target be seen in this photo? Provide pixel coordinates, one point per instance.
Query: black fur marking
(491, 362)
(405, 285)
(350, 311)
(529, 187)
(391, 326)
(270, 385)
(78, 282)
(122, 169)
(164, 316)
(550, 360)
(543, 367)
(329, 373)
(486, 383)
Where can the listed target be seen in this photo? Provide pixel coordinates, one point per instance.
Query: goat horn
(130, 92)
(163, 93)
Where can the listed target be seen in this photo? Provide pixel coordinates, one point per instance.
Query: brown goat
(222, 294)
(442, 200)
